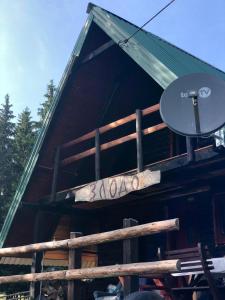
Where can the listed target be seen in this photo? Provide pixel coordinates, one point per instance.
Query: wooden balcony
(67, 155)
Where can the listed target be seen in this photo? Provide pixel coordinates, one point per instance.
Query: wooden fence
(157, 267)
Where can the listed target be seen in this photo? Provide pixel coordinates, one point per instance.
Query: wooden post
(36, 266)
(55, 174)
(74, 292)
(139, 140)
(190, 149)
(130, 255)
(97, 154)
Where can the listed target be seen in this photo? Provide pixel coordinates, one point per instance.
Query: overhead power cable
(140, 28)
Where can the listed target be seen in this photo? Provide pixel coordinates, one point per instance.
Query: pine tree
(45, 106)
(7, 171)
(24, 140)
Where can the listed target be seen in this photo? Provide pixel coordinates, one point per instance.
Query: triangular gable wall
(161, 60)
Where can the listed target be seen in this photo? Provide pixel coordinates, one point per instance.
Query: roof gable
(161, 60)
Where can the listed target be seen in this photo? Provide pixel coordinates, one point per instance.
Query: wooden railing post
(55, 174)
(130, 255)
(97, 154)
(37, 257)
(74, 291)
(190, 149)
(140, 166)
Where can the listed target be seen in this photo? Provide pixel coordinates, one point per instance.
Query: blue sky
(37, 37)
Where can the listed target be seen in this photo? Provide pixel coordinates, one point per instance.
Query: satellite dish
(194, 105)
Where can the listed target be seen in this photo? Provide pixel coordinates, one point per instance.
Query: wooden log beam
(103, 129)
(95, 239)
(98, 51)
(155, 128)
(111, 144)
(158, 267)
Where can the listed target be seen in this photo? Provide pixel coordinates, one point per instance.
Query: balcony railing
(102, 147)
(61, 161)
(95, 134)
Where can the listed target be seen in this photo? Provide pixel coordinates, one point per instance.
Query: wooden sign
(117, 187)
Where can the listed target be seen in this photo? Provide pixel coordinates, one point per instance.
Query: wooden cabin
(109, 86)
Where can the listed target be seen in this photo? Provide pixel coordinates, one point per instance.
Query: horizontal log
(166, 266)
(103, 129)
(150, 110)
(77, 157)
(95, 239)
(125, 233)
(111, 144)
(154, 128)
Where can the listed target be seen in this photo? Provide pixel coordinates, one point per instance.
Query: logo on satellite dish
(203, 92)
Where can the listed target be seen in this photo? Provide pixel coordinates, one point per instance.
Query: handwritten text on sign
(117, 187)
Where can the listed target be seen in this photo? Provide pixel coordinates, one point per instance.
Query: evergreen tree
(45, 106)
(7, 170)
(24, 140)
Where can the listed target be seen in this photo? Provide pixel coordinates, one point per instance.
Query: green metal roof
(163, 61)
(160, 59)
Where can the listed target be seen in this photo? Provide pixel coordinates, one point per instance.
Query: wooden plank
(116, 187)
(110, 126)
(130, 255)
(95, 239)
(140, 166)
(74, 292)
(157, 267)
(111, 144)
(182, 251)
